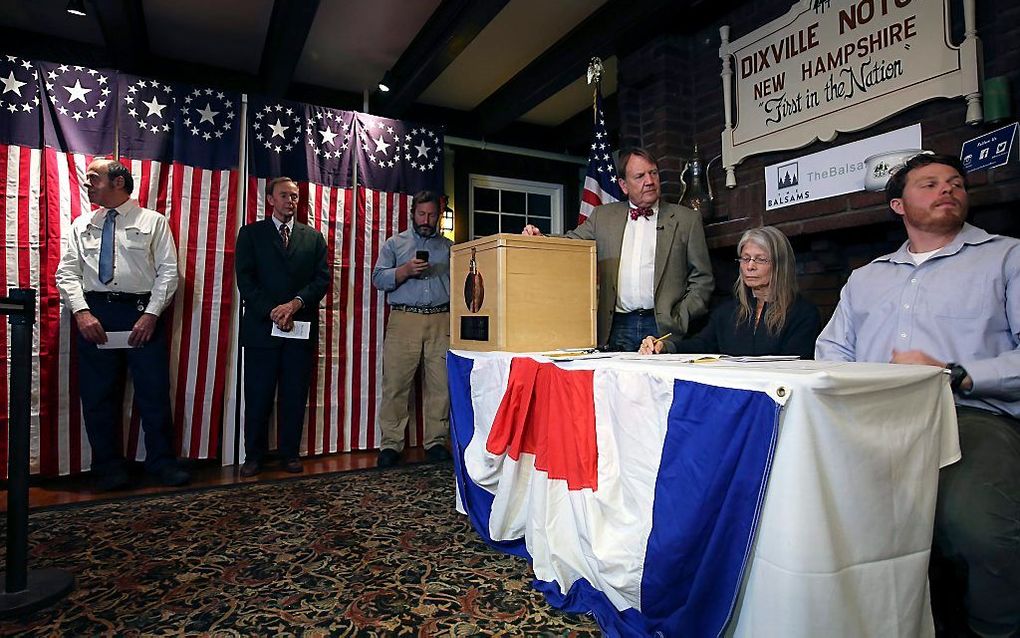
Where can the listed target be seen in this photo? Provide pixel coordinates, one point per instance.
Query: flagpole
(233, 420)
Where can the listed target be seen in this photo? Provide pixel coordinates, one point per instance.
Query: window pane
(486, 224)
(486, 199)
(543, 224)
(539, 205)
(513, 224)
(513, 202)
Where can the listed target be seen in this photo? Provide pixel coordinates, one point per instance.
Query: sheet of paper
(675, 358)
(708, 358)
(301, 330)
(116, 340)
(764, 357)
(568, 352)
(582, 357)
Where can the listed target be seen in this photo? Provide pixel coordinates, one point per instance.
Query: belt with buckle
(132, 298)
(422, 310)
(644, 312)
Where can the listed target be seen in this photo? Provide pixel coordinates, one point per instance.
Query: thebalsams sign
(829, 66)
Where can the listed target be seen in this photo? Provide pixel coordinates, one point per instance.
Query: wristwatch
(957, 374)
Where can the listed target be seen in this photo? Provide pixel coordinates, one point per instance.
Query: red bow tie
(641, 212)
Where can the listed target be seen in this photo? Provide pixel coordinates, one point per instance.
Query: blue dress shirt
(432, 288)
(962, 305)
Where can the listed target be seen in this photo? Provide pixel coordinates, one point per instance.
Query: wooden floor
(79, 489)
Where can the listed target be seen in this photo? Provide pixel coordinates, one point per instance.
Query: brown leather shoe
(250, 468)
(293, 465)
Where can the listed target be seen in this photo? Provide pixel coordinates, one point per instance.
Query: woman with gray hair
(766, 315)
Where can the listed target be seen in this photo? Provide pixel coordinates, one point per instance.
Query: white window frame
(554, 191)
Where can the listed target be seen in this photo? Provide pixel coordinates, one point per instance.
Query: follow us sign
(989, 150)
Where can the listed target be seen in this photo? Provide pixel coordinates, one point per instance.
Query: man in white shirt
(118, 274)
(654, 271)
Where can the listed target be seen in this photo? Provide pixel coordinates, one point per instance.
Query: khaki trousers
(414, 340)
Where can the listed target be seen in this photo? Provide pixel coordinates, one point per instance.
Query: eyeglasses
(761, 261)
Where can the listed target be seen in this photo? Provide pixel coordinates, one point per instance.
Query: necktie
(641, 212)
(285, 235)
(106, 249)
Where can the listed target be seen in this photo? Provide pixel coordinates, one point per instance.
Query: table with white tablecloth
(842, 532)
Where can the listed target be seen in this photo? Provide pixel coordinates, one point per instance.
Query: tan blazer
(683, 270)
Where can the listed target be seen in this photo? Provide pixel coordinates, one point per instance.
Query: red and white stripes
(21, 263)
(202, 208)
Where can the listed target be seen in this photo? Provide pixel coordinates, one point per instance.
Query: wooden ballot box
(522, 294)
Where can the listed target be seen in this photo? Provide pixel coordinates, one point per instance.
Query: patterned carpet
(356, 554)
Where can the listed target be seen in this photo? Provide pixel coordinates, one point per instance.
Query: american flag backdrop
(182, 144)
(395, 160)
(600, 185)
(24, 227)
(79, 113)
(312, 145)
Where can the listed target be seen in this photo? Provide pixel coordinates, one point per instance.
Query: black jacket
(268, 276)
(723, 336)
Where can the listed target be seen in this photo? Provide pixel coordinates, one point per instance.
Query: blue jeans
(630, 328)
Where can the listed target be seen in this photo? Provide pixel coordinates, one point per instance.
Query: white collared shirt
(289, 224)
(144, 257)
(635, 283)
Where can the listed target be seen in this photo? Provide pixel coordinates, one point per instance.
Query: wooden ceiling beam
(617, 23)
(122, 23)
(444, 36)
(289, 25)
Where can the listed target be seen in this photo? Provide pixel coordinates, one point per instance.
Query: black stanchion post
(19, 412)
(24, 591)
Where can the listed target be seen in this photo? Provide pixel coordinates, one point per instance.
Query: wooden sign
(831, 66)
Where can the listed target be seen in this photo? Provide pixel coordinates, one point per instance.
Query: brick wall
(671, 98)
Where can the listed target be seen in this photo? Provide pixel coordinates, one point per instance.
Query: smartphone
(422, 255)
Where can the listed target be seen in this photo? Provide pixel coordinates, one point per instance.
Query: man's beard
(425, 230)
(936, 220)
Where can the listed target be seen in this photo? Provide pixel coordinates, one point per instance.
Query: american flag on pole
(396, 159)
(79, 116)
(600, 185)
(312, 145)
(182, 144)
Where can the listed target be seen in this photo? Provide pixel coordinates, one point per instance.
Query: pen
(663, 337)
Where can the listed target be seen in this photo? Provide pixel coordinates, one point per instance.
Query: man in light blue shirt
(413, 270)
(950, 297)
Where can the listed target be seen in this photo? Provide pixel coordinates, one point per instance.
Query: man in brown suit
(654, 272)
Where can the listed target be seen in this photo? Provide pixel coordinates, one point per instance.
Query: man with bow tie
(655, 275)
(117, 275)
(282, 274)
